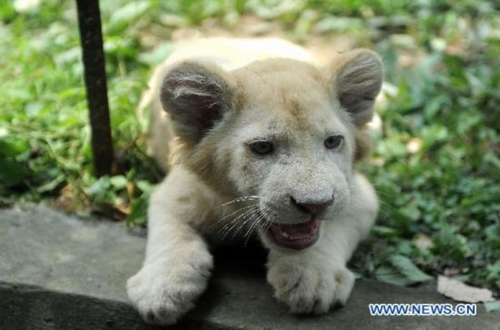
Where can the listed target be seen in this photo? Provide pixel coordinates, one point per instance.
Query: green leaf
(139, 210)
(384, 231)
(118, 181)
(11, 173)
(51, 185)
(121, 18)
(145, 186)
(492, 306)
(158, 55)
(401, 271)
(101, 190)
(12, 147)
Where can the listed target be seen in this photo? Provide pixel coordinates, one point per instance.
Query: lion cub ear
(196, 95)
(357, 79)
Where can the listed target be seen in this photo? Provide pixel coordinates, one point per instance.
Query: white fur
(177, 264)
(313, 280)
(183, 207)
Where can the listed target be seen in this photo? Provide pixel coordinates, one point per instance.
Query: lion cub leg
(315, 279)
(178, 263)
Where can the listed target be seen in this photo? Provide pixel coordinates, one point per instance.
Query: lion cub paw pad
(163, 296)
(311, 291)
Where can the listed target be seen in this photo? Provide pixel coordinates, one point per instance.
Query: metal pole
(89, 21)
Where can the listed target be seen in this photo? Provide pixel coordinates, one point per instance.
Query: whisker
(263, 222)
(237, 211)
(233, 222)
(241, 200)
(227, 229)
(252, 226)
(249, 218)
(246, 219)
(235, 225)
(384, 207)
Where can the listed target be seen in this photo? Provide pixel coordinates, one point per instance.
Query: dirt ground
(323, 46)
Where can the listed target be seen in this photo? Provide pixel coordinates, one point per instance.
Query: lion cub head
(280, 130)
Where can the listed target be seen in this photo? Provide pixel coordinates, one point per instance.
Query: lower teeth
(293, 238)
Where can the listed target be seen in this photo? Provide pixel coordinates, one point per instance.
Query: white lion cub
(257, 139)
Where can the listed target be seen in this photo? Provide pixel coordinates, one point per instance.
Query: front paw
(310, 287)
(164, 292)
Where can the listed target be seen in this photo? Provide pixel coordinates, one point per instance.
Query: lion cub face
(280, 132)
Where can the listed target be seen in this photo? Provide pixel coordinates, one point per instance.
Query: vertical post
(89, 21)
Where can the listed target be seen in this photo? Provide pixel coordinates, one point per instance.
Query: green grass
(435, 164)
(445, 191)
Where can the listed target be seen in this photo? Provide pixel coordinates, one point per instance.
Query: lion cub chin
(258, 139)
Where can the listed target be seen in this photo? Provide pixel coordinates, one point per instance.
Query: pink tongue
(296, 237)
(302, 229)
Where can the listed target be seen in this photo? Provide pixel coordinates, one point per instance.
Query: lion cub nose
(312, 208)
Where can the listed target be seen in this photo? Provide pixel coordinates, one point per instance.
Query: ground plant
(436, 155)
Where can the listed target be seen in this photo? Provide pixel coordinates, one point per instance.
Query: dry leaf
(459, 291)
(423, 242)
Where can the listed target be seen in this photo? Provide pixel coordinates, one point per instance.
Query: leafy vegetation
(436, 160)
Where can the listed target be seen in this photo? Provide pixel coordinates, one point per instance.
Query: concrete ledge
(59, 272)
(30, 307)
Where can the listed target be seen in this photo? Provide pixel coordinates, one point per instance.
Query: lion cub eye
(261, 148)
(334, 141)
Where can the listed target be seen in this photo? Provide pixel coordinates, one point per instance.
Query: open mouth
(296, 236)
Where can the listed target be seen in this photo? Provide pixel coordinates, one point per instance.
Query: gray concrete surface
(59, 272)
